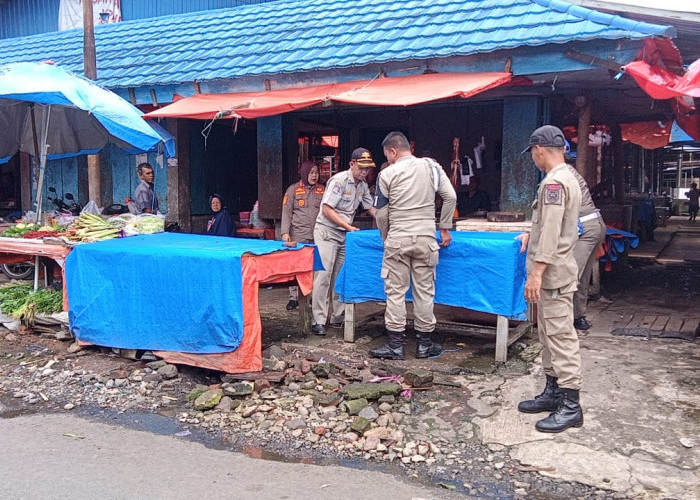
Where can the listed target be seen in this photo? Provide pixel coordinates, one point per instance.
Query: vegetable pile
(90, 227)
(19, 230)
(20, 301)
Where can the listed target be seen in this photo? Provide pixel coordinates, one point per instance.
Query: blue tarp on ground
(167, 291)
(479, 271)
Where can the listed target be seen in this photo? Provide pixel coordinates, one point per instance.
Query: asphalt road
(63, 456)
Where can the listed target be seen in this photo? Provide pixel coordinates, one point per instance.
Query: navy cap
(363, 157)
(548, 136)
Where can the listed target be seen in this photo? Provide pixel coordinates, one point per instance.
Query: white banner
(70, 13)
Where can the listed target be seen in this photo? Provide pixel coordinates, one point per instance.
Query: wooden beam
(592, 60)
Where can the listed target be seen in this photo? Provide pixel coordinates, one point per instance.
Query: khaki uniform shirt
(300, 207)
(555, 228)
(344, 195)
(587, 205)
(410, 184)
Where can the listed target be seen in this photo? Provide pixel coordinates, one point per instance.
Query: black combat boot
(569, 414)
(426, 348)
(549, 400)
(582, 324)
(392, 350)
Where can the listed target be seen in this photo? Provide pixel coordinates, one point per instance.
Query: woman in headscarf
(300, 207)
(221, 223)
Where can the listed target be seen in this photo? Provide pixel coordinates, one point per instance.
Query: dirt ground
(471, 391)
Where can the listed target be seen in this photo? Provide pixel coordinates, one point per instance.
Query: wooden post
(90, 68)
(618, 163)
(349, 333)
(584, 122)
(305, 313)
(501, 339)
(89, 57)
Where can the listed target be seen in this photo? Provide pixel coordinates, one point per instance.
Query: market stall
(481, 271)
(13, 250)
(191, 299)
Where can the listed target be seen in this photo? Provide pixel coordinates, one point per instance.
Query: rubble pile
(304, 403)
(321, 404)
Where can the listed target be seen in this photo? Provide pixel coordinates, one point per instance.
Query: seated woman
(221, 223)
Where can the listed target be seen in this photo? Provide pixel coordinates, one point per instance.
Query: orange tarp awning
(396, 91)
(417, 89)
(649, 135)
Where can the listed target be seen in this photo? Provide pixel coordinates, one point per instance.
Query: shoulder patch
(285, 199)
(553, 194)
(337, 188)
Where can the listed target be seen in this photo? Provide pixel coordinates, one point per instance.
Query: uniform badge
(302, 202)
(337, 188)
(553, 194)
(285, 199)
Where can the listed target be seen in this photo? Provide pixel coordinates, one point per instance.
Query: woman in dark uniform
(221, 223)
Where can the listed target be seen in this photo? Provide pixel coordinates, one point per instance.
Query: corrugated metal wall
(29, 17)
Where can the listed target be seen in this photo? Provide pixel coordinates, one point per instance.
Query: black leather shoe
(569, 414)
(582, 324)
(387, 352)
(549, 400)
(292, 304)
(318, 330)
(339, 325)
(428, 349)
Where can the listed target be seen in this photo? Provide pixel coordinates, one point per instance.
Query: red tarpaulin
(660, 83)
(398, 91)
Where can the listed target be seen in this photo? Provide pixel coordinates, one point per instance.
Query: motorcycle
(72, 207)
(18, 271)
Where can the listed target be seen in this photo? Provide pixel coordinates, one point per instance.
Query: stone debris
(329, 407)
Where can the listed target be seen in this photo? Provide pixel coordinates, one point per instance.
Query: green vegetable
(150, 224)
(17, 299)
(19, 230)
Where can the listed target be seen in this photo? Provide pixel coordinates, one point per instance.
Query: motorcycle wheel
(20, 271)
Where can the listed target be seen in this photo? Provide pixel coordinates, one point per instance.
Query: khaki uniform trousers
(412, 259)
(585, 251)
(555, 325)
(331, 248)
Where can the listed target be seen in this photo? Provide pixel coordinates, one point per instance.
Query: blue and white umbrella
(51, 113)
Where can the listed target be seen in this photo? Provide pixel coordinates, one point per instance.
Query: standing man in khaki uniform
(585, 249)
(552, 280)
(344, 193)
(300, 207)
(409, 185)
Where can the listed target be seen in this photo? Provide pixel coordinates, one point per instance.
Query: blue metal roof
(308, 35)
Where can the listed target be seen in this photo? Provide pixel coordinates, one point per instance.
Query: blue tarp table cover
(167, 291)
(481, 271)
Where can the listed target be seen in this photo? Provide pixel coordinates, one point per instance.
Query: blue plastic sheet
(167, 291)
(479, 271)
(617, 242)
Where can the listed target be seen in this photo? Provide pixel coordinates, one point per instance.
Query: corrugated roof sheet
(307, 35)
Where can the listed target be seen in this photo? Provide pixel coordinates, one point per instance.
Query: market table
(14, 250)
(482, 271)
(189, 298)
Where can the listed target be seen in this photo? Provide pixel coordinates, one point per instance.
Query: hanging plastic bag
(91, 208)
